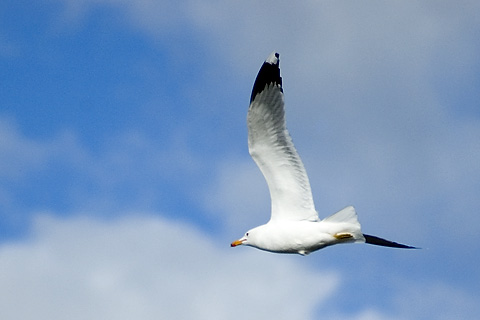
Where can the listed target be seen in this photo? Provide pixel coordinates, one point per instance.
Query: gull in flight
(294, 225)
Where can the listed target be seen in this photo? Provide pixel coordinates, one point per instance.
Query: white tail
(347, 222)
(347, 214)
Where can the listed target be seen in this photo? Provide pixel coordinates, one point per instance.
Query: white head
(250, 238)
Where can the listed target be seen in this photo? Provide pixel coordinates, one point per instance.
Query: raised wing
(271, 146)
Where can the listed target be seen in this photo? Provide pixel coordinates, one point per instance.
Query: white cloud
(438, 300)
(362, 88)
(337, 45)
(143, 266)
(23, 159)
(149, 268)
(238, 196)
(18, 155)
(418, 300)
(368, 314)
(365, 105)
(130, 162)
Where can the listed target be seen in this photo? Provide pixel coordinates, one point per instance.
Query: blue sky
(125, 174)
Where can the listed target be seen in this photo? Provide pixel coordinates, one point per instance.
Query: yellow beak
(236, 243)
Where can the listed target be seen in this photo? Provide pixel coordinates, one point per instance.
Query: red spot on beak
(236, 243)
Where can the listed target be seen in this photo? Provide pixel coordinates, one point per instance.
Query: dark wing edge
(269, 73)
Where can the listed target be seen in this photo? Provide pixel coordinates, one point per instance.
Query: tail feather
(385, 243)
(345, 225)
(347, 214)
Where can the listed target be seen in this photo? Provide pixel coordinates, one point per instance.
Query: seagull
(294, 225)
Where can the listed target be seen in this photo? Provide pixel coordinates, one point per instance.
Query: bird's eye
(246, 234)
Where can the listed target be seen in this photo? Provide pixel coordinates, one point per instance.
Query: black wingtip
(385, 243)
(269, 73)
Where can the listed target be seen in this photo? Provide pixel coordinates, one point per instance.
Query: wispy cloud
(237, 196)
(145, 266)
(152, 268)
(381, 103)
(364, 86)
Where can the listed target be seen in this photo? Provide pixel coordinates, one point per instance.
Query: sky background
(125, 174)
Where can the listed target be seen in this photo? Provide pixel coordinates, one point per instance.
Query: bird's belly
(300, 238)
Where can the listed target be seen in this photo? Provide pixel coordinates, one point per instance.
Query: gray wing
(271, 146)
